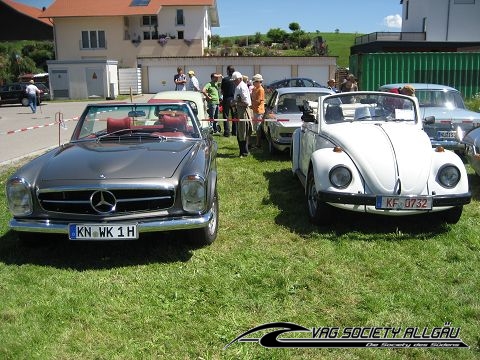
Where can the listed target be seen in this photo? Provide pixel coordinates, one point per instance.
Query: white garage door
(317, 73)
(160, 78)
(272, 73)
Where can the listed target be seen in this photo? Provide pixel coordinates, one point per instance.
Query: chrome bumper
(143, 226)
(370, 200)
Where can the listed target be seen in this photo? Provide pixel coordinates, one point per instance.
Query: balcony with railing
(390, 36)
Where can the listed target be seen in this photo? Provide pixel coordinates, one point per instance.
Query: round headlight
(193, 194)
(19, 197)
(340, 177)
(449, 176)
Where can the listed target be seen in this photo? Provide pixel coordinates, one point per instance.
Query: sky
(247, 17)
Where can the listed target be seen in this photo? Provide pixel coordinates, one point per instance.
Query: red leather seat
(118, 124)
(175, 122)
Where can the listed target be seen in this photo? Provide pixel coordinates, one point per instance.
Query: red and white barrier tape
(36, 127)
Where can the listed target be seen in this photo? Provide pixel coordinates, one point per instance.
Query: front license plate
(404, 203)
(446, 134)
(102, 232)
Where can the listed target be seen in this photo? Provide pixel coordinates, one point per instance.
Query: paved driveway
(24, 134)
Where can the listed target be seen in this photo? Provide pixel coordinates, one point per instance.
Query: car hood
(450, 114)
(391, 157)
(289, 120)
(107, 160)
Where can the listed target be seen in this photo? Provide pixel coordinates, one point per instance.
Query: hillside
(338, 44)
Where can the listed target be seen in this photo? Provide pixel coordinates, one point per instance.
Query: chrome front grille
(125, 201)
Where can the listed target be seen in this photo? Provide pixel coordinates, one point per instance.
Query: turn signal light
(337, 149)
(440, 149)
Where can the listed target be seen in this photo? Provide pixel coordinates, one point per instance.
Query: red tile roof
(30, 11)
(77, 8)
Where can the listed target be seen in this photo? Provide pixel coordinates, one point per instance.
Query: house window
(140, 3)
(464, 1)
(93, 39)
(180, 19)
(149, 20)
(180, 35)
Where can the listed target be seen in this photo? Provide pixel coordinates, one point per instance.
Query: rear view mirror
(136, 113)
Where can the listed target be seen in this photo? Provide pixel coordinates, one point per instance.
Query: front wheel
(452, 216)
(272, 150)
(25, 101)
(319, 213)
(208, 234)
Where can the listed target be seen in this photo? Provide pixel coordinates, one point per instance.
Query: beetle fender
(323, 160)
(441, 159)
(295, 150)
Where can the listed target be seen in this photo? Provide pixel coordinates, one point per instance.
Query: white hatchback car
(283, 115)
(367, 152)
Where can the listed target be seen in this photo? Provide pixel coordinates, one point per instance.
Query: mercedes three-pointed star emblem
(103, 202)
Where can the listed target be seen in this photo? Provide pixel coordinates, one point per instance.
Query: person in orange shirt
(258, 107)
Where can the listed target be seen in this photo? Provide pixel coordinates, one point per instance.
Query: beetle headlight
(193, 194)
(449, 176)
(340, 177)
(19, 197)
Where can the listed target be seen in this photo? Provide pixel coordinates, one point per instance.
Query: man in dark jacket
(228, 89)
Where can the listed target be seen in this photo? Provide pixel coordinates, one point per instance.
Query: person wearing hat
(211, 93)
(32, 92)
(331, 85)
(407, 90)
(193, 84)
(242, 102)
(258, 107)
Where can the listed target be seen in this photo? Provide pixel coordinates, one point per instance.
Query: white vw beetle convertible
(367, 152)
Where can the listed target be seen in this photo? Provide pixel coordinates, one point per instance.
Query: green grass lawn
(161, 298)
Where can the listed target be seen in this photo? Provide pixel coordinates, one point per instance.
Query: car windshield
(134, 121)
(289, 103)
(439, 98)
(368, 107)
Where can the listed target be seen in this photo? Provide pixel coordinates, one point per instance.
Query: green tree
(277, 35)
(215, 40)
(294, 26)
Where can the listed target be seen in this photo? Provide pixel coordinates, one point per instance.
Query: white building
(442, 20)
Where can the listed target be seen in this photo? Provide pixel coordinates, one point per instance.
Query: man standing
(193, 84)
(180, 79)
(242, 103)
(258, 107)
(32, 92)
(211, 92)
(228, 89)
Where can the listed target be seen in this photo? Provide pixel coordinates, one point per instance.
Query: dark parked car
(45, 91)
(128, 169)
(15, 94)
(292, 82)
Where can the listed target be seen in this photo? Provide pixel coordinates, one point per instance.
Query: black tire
(319, 213)
(24, 101)
(271, 148)
(452, 216)
(208, 234)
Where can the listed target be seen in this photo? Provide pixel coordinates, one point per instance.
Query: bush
(473, 103)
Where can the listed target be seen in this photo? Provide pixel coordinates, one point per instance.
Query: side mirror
(429, 120)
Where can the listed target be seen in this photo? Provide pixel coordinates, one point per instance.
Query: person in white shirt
(32, 92)
(242, 102)
(193, 84)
